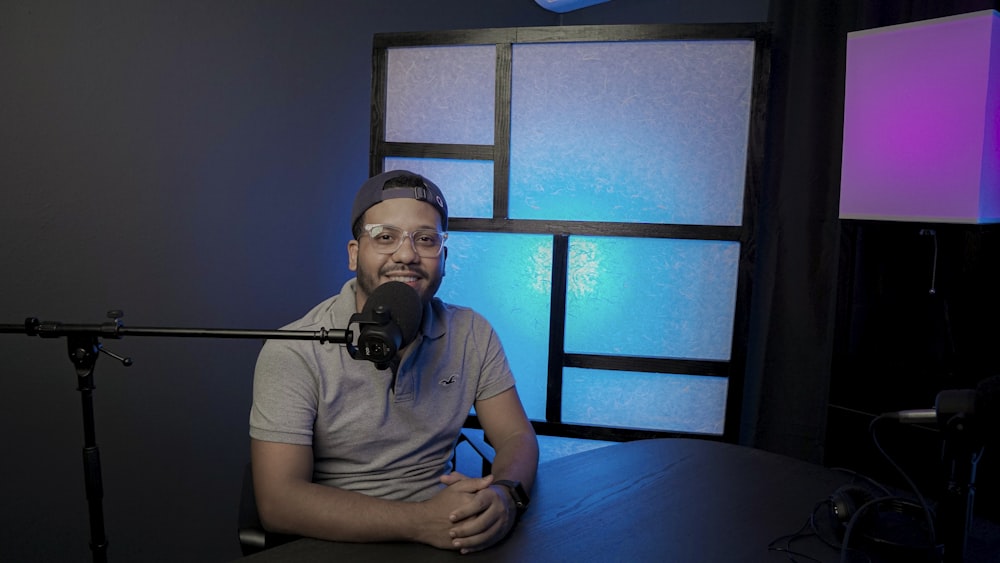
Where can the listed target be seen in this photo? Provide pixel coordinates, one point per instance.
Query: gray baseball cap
(397, 184)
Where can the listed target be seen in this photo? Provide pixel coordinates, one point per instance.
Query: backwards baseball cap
(397, 184)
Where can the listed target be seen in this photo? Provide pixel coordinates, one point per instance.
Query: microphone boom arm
(84, 346)
(114, 329)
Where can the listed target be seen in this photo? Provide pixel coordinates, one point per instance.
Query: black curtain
(816, 273)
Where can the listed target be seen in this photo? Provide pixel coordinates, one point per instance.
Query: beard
(368, 281)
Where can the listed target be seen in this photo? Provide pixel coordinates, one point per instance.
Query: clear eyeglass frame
(387, 239)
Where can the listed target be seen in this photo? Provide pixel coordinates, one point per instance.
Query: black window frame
(499, 153)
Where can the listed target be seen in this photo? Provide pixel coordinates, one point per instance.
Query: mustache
(403, 270)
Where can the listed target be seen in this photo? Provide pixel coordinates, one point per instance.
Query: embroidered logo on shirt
(449, 381)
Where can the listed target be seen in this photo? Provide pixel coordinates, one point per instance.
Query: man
(344, 451)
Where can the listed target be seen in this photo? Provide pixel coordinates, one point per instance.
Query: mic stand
(960, 454)
(84, 345)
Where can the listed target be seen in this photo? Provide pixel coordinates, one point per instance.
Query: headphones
(864, 516)
(845, 503)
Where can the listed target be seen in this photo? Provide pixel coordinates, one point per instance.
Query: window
(601, 182)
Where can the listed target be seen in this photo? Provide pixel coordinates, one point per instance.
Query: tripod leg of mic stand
(83, 353)
(94, 484)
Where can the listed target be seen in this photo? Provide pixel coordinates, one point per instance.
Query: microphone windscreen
(404, 306)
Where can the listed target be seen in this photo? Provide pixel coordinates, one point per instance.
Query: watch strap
(517, 493)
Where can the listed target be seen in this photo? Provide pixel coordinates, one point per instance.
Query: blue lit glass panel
(466, 184)
(554, 447)
(651, 401)
(508, 278)
(649, 132)
(651, 297)
(441, 94)
(470, 463)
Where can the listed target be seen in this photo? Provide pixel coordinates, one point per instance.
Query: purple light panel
(921, 122)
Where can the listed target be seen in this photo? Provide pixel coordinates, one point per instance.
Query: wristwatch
(521, 498)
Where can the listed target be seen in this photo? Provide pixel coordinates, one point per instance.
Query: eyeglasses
(387, 239)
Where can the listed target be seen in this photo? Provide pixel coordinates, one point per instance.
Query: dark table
(675, 500)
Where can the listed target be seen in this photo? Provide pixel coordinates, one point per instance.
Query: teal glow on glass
(507, 278)
(441, 94)
(466, 184)
(650, 401)
(651, 297)
(649, 132)
(549, 447)
(554, 447)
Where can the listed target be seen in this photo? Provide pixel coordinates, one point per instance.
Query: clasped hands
(469, 514)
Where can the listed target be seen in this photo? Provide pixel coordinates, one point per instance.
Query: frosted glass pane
(650, 132)
(467, 184)
(508, 278)
(441, 94)
(554, 447)
(470, 463)
(651, 297)
(651, 401)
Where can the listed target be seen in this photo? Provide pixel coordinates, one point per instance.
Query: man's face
(405, 265)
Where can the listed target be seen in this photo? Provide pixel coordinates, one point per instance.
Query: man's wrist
(517, 494)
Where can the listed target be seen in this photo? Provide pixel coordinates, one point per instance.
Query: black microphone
(979, 404)
(388, 322)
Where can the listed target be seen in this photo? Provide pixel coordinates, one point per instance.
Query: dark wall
(190, 163)
(917, 317)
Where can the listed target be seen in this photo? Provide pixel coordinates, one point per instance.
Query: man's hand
(484, 519)
(436, 523)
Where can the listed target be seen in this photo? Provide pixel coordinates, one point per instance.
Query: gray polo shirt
(366, 437)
